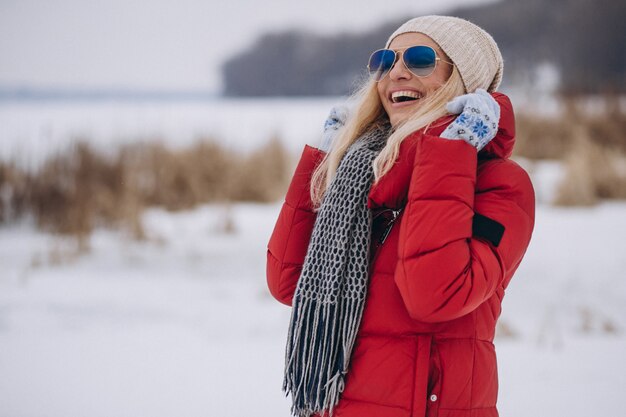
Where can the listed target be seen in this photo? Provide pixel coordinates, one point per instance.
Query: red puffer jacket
(425, 343)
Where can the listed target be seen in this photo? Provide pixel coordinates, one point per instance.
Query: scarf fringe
(306, 360)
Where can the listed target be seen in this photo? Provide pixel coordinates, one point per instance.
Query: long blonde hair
(369, 114)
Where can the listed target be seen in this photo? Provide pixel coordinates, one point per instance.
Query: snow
(177, 325)
(32, 131)
(182, 323)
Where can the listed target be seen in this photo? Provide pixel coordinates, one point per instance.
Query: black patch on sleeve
(483, 226)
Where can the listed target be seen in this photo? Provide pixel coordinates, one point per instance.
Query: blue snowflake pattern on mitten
(463, 119)
(476, 123)
(480, 129)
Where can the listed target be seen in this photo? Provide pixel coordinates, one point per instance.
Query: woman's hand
(478, 118)
(335, 121)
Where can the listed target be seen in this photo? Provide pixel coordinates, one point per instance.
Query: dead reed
(592, 146)
(554, 137)
(76, 191)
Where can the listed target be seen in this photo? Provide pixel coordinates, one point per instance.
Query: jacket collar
(502, 145)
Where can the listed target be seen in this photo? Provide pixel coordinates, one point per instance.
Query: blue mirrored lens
(380, 63)
(420, 60)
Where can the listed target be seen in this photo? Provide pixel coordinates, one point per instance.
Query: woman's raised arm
(445, 268)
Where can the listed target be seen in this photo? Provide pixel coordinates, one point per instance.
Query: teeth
(399, 96)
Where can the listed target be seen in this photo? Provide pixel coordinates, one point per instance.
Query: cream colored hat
(471, 49)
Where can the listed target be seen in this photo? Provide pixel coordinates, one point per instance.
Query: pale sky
(164, 44)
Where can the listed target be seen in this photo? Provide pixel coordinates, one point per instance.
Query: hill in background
(584, 39)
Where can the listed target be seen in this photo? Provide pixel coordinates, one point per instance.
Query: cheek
(434, 82)
(442, 74)
(381, 96)
(380, 88)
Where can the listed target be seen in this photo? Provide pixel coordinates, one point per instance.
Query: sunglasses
(420, 60)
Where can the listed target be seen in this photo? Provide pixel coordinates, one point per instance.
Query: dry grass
(207, 172)
(592, 147)
(593, 173)
(10, 183)
(78, 190)
(555, 137)
(74, 192)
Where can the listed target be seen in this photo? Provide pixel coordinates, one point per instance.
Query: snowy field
(182, 324)
(32, 131)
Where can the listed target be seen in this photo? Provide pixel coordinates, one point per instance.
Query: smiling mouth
(404, 96)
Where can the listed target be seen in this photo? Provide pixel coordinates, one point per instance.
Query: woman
(396, 244)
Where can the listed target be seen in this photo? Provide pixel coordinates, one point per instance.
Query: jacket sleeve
(290, 239)
(443, 271)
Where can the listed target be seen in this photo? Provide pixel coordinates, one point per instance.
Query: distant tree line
(584, 39)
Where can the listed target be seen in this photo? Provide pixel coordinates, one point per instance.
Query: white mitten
(478, 120)
(335, 121)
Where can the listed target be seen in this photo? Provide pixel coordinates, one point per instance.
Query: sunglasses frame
(400, 52)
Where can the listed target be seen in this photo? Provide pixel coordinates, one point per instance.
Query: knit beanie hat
(471, 49)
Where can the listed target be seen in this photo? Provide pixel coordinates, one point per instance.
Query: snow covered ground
(182, 324)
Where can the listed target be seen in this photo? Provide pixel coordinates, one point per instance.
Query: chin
(399, 118)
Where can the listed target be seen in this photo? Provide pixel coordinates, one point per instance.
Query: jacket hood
(502, 145)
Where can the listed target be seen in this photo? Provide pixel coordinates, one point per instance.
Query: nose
(399, 71)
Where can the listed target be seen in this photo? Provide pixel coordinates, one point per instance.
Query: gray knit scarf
(330, 294)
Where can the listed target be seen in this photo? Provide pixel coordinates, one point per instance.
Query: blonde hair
(370, 114)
